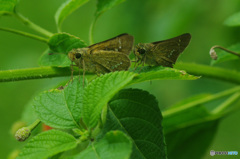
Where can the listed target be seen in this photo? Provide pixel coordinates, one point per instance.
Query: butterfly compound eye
(141, 51)
(78, 55)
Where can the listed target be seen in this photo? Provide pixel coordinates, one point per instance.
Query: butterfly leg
(136, 65)
(137, 60)
(71, 73)
(83, 71)
(142, 62)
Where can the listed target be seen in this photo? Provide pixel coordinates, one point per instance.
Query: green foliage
(66, 9)
(61, 108)
(192, 117)
(103, 119)
(99, 92)
(136, 113)
(191, 141)
(48, 144)
(233, 20)
(7, 7)
(64, 108)
(114, 144)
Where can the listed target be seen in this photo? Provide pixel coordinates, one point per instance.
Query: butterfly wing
(166, 52)
(109, 61)
(122, 43)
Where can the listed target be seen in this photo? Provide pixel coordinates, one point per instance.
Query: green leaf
(49, 58)
(136, 113)
(191, 142)
(61, 108)
(114, 144)
(60, 44)
(161, 73)
(63, 42)
(47, 144)
(224, 56)
(104, 5)
(233, 20)
(66, 9)
(99, 92)
(7, 6)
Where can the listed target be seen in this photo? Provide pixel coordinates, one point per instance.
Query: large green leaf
(49, 58)
(224, 56)
(64, 42)
(114, 145)
(104, 5)
(160, 73)
(47, 144)
(8, 6)
(233, 20)
(136, 113)
(60, 44)
(66, 9)
(99, 92)
(61, 108)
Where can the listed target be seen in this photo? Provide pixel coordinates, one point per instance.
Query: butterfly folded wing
(122, 43)
(109, 61)
(166, 52)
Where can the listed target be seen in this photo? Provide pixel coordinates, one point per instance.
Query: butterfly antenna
(53, 53)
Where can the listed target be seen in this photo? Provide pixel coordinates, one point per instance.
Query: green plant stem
(210, 72)
(33, 25)
(91, 30)
(209, 98)
(36, 73)
(25, 34)
(34, 125)
(47, 72)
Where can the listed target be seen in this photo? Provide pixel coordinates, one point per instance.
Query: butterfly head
(75, 54)
(140, 51)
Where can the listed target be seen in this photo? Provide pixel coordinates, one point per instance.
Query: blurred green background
(147, 21)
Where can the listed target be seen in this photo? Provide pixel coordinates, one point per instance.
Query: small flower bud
(213, 54)
(23, 133)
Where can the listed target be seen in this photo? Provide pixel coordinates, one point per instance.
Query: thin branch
(91, 29)
(33, 25)
(226, 103)
(222, 48)
(35, 73)
(25, 34)
(201, 101)
(47, 72)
